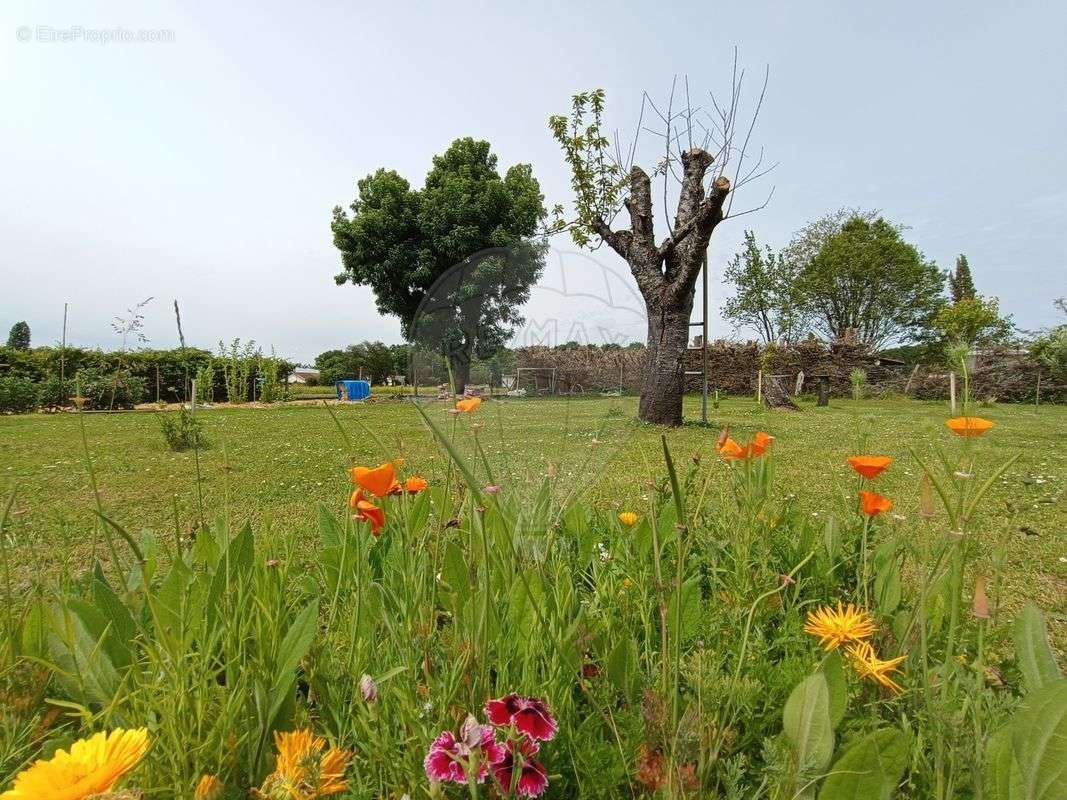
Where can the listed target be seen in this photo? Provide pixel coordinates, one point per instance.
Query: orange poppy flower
(378, 481)
(969, 426)
(732, 451)
(415, 484)
(366, 511)
(874, 504)
(469, 403)
(869, 466)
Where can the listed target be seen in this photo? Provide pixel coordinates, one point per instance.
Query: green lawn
(274, 465)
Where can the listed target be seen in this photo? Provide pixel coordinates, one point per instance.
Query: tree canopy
(19, 337)
(866, 278)
(766, 299)
(960, 282)
(400, 241)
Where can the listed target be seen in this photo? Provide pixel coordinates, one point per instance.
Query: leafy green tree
(19, 338)
(765, 296)
(973, 321)
(866, 278)
(401, 241)
(960, 282)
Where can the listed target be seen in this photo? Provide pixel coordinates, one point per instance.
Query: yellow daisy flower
(627, 518)
(835, 627)
(93, 766)
(867, 663)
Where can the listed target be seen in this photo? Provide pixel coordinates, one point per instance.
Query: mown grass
(274, 465)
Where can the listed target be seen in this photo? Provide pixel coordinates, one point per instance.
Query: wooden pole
(759, 386)
(952, 392)
(193, 401)
(63, 352)
(1037, 397)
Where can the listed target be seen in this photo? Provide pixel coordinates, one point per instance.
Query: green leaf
(454, 571)
(1001, 779)
(1039, 740)
(330, 531)
(887, 590)
(834, 671)
(689, 616)
(1032, 650)
(870, 769)
(293, 648)
(806, 722)
(621, 666)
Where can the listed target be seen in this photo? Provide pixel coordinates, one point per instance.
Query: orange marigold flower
(835, 627)
(303, 769)
(627, 518)
(378, 480)
(870, 467)
(366, 511)
(969, 426)
(209, 788)
(730, 450)
(415, 484)
(868, 665)
(468, 404)
(874, 504)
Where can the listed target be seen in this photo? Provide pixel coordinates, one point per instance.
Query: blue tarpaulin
(353, 390)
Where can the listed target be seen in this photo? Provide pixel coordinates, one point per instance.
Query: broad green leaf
(870, 769)
(688, 615)
(806, 722)
(1039, 740)
(419, 513)
(621, 666)
(887, 590)
(454, 571)
(834, 672)
(293, 648)
(1001, 779)
(1032, 650)
(330, 531)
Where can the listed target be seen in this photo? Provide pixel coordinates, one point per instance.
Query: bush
(119, 389)
(17, 395)
(182, 430)
(858, 378)
(54, 393)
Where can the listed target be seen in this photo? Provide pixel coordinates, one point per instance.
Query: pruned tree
(703, 154)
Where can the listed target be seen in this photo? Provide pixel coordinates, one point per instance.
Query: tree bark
(665, 360)
(775, 395)
(666, 275)
(461, 371)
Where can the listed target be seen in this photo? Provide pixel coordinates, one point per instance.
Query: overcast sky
(204, 168)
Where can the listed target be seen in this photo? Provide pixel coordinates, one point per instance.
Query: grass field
(274, 465)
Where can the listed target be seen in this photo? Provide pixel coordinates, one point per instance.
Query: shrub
(858, 379)
(1051, 350)
(182, 430)
(119, 389)
(54, 393)
(17, 395)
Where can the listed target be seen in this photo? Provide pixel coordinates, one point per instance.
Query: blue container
(353, 390)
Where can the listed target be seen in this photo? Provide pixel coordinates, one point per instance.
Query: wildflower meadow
(463, 633)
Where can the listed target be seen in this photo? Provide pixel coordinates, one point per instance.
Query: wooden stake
(1037, 397)
(759, 387)
(952, 392)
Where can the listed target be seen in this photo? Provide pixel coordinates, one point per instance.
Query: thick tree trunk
(461, 371)
(664, 381)
(775, 395)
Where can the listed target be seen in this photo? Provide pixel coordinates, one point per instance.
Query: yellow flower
(834, 627)
(627, 518)
(92, 766)
(209, 788)
(867, 663)
(303, 771)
